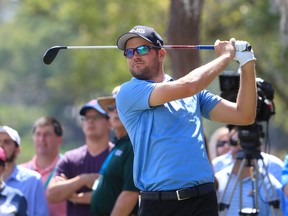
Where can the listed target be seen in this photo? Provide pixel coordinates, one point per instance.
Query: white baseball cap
(12, 133)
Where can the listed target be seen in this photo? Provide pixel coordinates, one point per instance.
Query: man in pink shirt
(47, 139)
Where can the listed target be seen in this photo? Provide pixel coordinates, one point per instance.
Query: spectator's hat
(104, 102)
(93, 104)
(13, 134)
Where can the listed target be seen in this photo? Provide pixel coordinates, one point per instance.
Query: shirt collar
(47, 169)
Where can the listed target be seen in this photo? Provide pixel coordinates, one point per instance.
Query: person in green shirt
(114, 192)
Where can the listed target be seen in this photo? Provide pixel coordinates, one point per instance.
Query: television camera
(249, 136)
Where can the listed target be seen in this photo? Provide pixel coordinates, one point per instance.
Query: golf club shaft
(52, 52)
(209, 47)
(200, 47)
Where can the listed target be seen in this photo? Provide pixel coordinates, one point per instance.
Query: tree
(183, 28)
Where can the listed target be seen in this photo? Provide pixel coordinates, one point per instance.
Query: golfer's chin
(139, 75)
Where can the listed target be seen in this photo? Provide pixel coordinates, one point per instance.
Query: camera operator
(273, 164)
(231, 167)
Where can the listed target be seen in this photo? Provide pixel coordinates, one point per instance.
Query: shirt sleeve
(207, 102)
(138, 91)
(62, 167)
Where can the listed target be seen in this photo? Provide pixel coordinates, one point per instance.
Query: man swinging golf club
(163, 120)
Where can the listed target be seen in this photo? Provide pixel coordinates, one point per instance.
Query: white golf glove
(244, 52)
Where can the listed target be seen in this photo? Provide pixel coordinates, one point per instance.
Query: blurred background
(30, 89)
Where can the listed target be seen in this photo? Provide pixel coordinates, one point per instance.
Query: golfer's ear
(162, 53)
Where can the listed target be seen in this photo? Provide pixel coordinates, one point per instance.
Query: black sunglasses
(222, 143)
(141, 50)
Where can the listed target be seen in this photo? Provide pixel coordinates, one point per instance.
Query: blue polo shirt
(30, 184)
(168, 140)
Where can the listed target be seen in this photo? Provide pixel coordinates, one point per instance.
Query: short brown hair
(48, 120)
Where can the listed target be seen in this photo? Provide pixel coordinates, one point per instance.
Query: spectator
(163, 119)
(115, 192)
(247, 188)
(12, 200)
(219, 142)
(47, 139)
(248, 180)
(78, 168)
(26, 180)
(273, 164)
(284, 181)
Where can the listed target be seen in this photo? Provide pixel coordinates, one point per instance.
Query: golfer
(163, 120)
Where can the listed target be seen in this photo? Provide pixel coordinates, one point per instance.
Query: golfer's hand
(244, 52)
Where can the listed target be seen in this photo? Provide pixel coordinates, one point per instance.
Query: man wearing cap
(163, 119)
(12, 200)
(47, 139)
(26, 180)
(114, 193)
(78, 168)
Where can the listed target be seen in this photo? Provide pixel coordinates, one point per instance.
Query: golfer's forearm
(248, 92)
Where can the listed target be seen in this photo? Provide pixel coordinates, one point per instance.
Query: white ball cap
(12, 133)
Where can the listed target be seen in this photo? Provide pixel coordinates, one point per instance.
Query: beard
(12, 157)
(148, 72)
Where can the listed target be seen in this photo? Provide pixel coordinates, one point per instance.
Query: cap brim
(122, 40)
(104, 102)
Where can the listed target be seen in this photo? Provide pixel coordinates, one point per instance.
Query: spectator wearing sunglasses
(163, 119)
(219, 142)
(228, 166)
(115, 192)
(273, 164)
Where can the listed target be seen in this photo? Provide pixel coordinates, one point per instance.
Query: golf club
(52, 52)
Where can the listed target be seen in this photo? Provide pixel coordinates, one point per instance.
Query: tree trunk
(183, 29)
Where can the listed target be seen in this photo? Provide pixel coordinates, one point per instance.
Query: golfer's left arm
(243, 112)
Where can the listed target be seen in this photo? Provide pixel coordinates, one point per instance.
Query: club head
(51, 54)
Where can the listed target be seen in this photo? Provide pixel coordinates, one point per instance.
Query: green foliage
(75, 76)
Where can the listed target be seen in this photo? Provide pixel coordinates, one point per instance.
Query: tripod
(250, 160)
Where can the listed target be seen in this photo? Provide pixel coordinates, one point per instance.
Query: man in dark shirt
(114, 192)
(78, 168)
